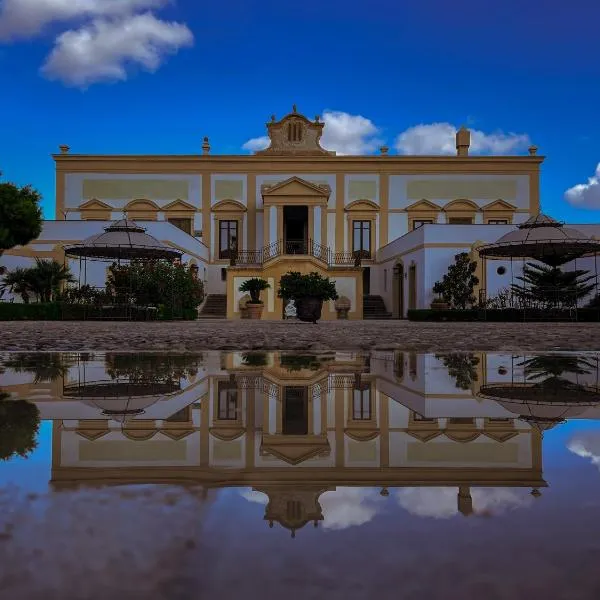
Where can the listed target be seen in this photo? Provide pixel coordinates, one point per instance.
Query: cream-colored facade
(296, 206)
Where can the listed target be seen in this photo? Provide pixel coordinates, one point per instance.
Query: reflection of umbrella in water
(120, 400)
(543, 404)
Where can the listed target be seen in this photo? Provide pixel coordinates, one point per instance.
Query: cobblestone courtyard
(244, 335)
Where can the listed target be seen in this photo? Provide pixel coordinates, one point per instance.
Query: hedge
(54, 311)
(506, 316)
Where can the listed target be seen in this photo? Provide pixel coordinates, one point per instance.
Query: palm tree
(551, 286)
(17, 282)
(46, 367)
(47, 277)
(42, 280)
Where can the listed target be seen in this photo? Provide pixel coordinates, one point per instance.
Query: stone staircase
(215, 307)
(374, 308)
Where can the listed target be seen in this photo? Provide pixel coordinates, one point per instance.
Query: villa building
(383, 227)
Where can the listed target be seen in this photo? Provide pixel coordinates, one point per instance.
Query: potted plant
(308, 293)
(255, 359)
(342, 306)
(254, 287)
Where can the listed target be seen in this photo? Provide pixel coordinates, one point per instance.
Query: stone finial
(463, 141)
(384, 150)
(206, 146)
(294, 108)
(317, 118)
(64, 149)
(273, 119)
(532, 150)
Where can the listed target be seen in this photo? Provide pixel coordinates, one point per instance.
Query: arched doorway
(398, 291)
(412, 287)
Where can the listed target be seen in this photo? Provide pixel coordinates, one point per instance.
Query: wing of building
(383, 227)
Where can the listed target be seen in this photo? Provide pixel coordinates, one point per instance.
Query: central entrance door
(295, 410)
(295, 229)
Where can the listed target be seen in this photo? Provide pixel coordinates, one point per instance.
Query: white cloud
(440, 138)
(102, 50)
(441, 503)
(586, 445)
(349, 507)
(27, 18)
(344, 133)
(586, 195)
(259, 143)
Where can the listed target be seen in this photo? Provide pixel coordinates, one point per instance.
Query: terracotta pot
(439, 305)
(254, 311)
(309, 309)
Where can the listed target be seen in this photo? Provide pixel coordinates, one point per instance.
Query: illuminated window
(227, 401)
(228, 235)
(497, 221)
(361, 238)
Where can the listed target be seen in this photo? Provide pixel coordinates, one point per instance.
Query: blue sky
(155, 76)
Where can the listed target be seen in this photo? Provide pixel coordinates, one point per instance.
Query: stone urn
(242, 304)
(342, 306)
(254, 310)
(439, 304)
(309, 308)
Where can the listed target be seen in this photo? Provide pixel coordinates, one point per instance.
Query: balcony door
(295, 410)
(295, 229)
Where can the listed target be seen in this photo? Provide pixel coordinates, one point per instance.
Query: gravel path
(244, 335)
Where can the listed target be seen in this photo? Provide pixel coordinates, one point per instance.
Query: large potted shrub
(308, 293)
(254, 287)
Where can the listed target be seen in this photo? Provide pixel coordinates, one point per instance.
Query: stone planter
(309, 309)
(254, 310)
(439, 305)
(342, 307)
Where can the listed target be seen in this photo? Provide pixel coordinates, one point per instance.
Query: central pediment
(295, 190)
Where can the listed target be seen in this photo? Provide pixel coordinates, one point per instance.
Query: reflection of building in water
(287, 425)
(295, 426)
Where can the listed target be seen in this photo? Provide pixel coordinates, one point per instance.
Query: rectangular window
(460, 221)
(223, 274)
(228, 237)
(227, 401)
(361, 405)
(420, 222)
(184, 224)
(497, 221)
(361, 238)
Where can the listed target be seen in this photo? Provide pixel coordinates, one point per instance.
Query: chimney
(463, 141)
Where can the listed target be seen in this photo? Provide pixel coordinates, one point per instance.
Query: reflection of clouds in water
(254, 496)
(347, 507)
(342, 508)
(441, 503)
(586, 445)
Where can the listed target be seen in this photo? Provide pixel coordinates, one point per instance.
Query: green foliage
(462, 367)
(173, 288)
(19, 424)
(255, 359)
(457, 286)
(298, 362)
(554, 365)
(506, 315)
(42, 281)
(152, 368)
(13, 311)
(45, 366)
(254, 287)
(293, 286)
(549, 287)
(20, 215)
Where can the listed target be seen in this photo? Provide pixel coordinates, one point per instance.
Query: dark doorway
(295, 410)
(366, 281)
(295, 229)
